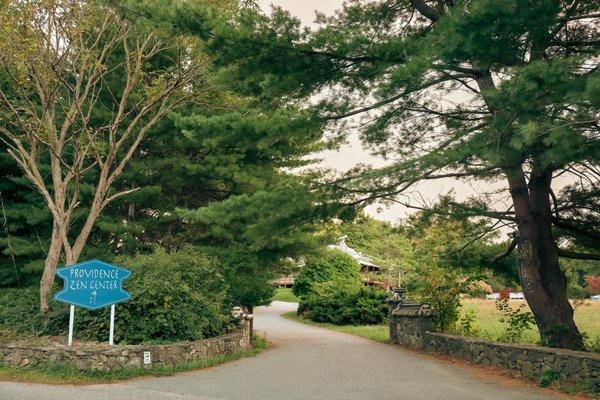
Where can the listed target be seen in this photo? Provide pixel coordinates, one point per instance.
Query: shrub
(515, 320)
(176, 296)
(19, 313)
(466, 324)
(19, 310)
(592, 345)
(549, 376)
(333, 266)
(345, 304)
(442, 290)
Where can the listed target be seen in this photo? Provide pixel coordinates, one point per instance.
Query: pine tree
(473, 89)
(24, 238)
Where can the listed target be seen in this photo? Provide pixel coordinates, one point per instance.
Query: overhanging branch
(578, 256)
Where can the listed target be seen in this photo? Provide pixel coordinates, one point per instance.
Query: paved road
(305, 363)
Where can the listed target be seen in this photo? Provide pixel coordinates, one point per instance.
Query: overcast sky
(352, 153)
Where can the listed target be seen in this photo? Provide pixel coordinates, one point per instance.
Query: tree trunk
(544, 284)
(50, 265)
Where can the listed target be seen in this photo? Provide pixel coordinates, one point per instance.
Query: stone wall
(409, 322)
(529, 361)
(412, 325)
(110, 358)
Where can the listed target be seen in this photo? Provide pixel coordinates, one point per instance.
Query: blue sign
(93, 284)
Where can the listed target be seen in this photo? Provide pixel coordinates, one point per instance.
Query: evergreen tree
(215, 174)
(24, 238)
(472, 89)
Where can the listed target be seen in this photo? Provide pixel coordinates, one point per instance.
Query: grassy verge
(64, 374)
(285, 294)
(378, 333)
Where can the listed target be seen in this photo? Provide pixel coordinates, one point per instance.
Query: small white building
(366, 264)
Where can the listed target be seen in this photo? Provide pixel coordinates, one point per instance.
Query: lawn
(285, 294)
(587, 318)
(378, 333)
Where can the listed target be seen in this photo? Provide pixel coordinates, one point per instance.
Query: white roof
(358, 256)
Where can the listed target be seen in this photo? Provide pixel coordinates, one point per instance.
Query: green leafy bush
(549, 376)
(333, 266)
(591, 344)
(19, 314)
(176, 296)
(442, 290)
(19, 310)
(345, 304)
(466, 324)
(516, 321)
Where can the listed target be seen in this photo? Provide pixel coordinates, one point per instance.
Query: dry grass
(587, 318)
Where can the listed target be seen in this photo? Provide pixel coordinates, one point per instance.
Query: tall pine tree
(470, 89)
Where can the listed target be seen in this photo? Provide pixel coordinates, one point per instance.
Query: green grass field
(285, 294)
(587, 318)
(378, 333)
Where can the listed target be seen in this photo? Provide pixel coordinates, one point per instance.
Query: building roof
(357, 255)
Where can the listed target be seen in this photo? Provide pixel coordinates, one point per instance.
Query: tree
(474, 90)
(60, 57)
(333, 266)
(381, 241)
(259, 235)
(24, 227)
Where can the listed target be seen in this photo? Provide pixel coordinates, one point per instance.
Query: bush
(174, 297)
(344, 304)
(442, 290)
(516, 321)
(20, 314)
(333, 266)
(466, 324)
(19, 310)
(177, 296)
(549, 376)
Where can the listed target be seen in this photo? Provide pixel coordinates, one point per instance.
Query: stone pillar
(409, 320)
(245, 322)
(393, 302)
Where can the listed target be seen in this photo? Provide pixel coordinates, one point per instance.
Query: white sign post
(111, 334)
(71, 318)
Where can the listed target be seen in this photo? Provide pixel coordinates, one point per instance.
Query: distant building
(505, 294)
(366, 264)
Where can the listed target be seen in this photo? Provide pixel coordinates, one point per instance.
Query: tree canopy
(505, 92)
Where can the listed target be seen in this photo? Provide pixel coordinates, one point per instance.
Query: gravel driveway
(304, 363)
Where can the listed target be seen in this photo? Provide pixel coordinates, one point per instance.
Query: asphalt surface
(304, 362)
